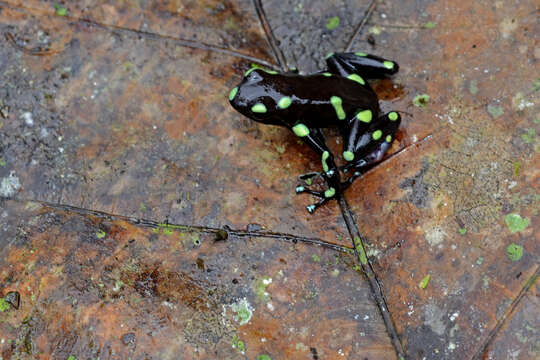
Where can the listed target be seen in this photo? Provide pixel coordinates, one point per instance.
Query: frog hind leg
(373, 144)
(366, 65)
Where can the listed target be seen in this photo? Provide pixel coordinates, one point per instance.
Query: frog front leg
(315, 139)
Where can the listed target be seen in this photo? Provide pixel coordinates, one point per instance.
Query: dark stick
(368, 13)
(270, 36)
(374, 283)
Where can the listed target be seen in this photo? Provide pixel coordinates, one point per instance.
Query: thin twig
(374, 283)
(270, 36)
(367, 14)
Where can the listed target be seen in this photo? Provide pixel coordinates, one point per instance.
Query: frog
(336, 97)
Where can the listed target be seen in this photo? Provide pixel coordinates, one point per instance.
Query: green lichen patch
(425, 281)
(430, 25)
(316, 258)
(516, 223)
(238, 344)
(462, 231)
(528, 136)
(60, 10)
(332, 23)
(4, 305)
(2, 162)
(421, 100)
(100, 234)
(495, 110)
(264, 357)
(259, 288)
(242, 311)
(514, 251)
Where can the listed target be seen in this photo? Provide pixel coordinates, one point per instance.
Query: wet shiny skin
(338, 97)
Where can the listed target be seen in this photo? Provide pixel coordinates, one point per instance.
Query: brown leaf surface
(105, 110)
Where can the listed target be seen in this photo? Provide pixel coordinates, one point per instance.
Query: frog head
(255, 97)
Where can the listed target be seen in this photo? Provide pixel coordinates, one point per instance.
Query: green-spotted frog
(337, 97)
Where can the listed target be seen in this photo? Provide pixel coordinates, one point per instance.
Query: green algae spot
(71, 357)
(327, 74)
(4, 305)
(514, 251)
(259, 288)
(300, 130)
(258, 108)
(388, 64)
(377, 134)
(430, 25)
(142, 206)
(393, 116)
(264, 357)
(360, 250)
(473, 87)
(324, 157)
(100, 234)
(330, 192)
(359, 53)
(516, 223)
(364, 116)
(336, 103)
(462, 231)
(60, 10)
(316, 258)
(421, 100)
(284, 102)
(517, 166)
(528, 136)
(495, 110)
(357, 78)
(232, 94)
(332, 23)
(238, 344)
(2, 162)
(479, 261)
(425, 281)
(348, 155)
(388, 138)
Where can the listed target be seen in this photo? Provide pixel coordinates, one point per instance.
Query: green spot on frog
(514, 251)
(327, 74)
(233, 92)
(376, 134)
(388, 64)
(425, 281)
(332, 23)
(300, 130)
(362, 54)
(357, 78)
(516, 223)
(388, 138)
(365, 116)
(324, 157)
(495, 110)
(258, 108)
(421, 100)
(393, 116)
(284, 102)
(348, 155)
(336, 102)
(330, 192)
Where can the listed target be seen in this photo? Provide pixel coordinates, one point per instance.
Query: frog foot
(326, 195)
